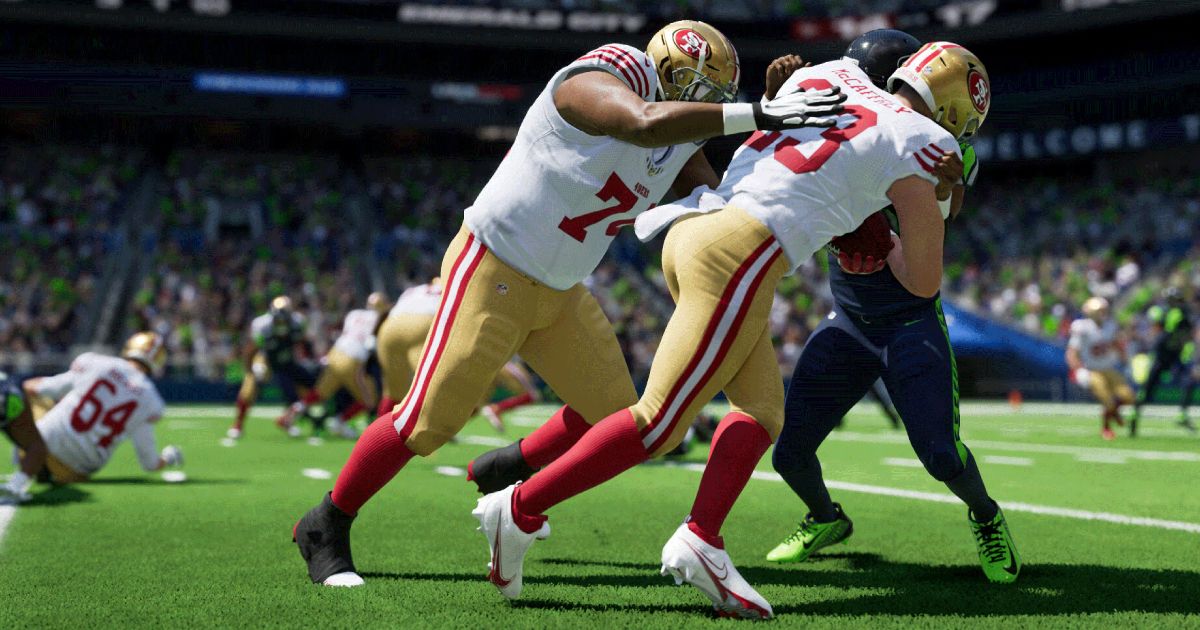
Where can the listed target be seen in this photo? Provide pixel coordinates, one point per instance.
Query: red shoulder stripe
(607, 58)
(928, 168)
(634, 65)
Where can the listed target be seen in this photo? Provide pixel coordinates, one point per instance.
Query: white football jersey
(560, 196)
(101, 401)
(358, 334)
(810, 185)
(1097, 344)
(419, 300)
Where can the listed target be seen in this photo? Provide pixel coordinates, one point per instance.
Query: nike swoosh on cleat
(709, 566)
(1011, 569)
(495, 574)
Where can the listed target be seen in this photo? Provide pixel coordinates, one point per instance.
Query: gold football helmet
(281, 304)
(1095, 308)
(695, 62)
(952, 82)
(378, 302)
(148, 349)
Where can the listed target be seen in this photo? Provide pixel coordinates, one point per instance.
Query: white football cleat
(687, 558)
(15, 491)
(506, 542)
(234, 433)
(344, 430)
(347, 579)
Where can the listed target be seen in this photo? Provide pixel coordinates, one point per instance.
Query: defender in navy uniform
(878, 329)
(1174, 355)
(272, 353)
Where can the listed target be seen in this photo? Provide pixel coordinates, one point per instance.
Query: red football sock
(512, 402)
(737, 446)
(242, 408)
(311, 397)
(378, 455)
(554, 438)
(386, 404)
(354, 409)
(613, 446)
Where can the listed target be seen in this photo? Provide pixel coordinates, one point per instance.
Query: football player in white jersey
(1095, 357)
(345, 367)
(784, 196)
(611, 133)
(98, 403)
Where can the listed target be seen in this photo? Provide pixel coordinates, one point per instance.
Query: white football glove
(259, 370)
(172, 455)
(808, 108)
(1083, 377)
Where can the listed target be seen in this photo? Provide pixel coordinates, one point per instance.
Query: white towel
(702, 200)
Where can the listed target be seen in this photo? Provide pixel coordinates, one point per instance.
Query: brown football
(872, 238)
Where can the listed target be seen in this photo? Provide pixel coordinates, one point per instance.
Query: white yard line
(7, 512)
(451, 471)
(1009, 506)
(316, 473)
(1007, 461)
(483, 440)
(1029, 447)
(903, 462)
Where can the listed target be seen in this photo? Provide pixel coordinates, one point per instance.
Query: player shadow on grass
(57, 496)
(898, 588)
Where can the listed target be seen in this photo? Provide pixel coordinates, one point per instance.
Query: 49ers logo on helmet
(691, 42)
(981, 92)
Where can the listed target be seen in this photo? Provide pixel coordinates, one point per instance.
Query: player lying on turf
(402, 338)
(344, 367)
(879, 329)
(606, 139)
(278, 337)
(95, 406)
(784, 196)
(1095, 357)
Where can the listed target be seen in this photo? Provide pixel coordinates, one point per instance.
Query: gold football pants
(1110, 388)
(490, 311)
(400, 341)
(721, 269)
(343, 371)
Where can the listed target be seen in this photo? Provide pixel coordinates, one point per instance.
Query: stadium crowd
(235, 229)
(743, 10)
(59, 213)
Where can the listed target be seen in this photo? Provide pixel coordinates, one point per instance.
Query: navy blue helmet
(881, 51)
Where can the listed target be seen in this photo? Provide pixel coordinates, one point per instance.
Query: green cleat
(997, 553)
(811, 536)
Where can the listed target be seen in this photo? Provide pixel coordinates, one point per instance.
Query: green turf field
(129, 550)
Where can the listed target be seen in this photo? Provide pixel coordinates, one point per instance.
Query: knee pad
(943, 464)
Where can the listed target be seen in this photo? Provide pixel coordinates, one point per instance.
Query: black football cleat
(499, 468)
(323, 535)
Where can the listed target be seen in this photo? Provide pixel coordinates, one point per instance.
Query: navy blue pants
(845, 355)
(290, 377)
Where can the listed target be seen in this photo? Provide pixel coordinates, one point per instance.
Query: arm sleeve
(146, 447)
(57, 386)
(1076, 340)
(918, 155)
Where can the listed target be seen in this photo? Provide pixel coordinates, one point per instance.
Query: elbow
(644, 129)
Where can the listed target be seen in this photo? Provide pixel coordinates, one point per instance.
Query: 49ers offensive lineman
(99, 403)
(783, 197)
(598, 147)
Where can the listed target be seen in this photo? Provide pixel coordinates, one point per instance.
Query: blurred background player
(344, 367)
(98, 403)
(1095, 358)
(880, 331)
(1174, 356)
(605, 140)
(16, 419)
(275, 343)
